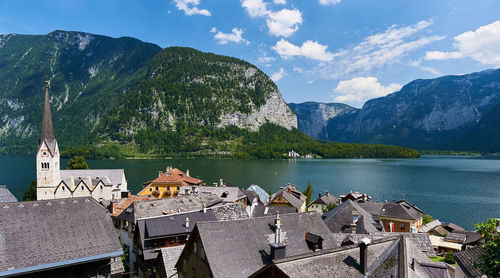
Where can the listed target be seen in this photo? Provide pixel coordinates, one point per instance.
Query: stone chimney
(187, 173)
(365, 197)
(204, 208)
(319, 195)
(187, 222)
(221, 182)
(363, 255)
(278, 248)
(160, 173)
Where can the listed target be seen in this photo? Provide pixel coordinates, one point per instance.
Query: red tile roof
(125, 203)
(175, 176)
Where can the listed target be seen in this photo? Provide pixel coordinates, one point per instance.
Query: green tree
(77, 162)
(30, 194)
(309, 192)
(448, 258)
(427, 219)
(489, 262)
(329, 207)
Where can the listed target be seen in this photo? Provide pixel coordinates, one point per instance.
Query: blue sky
(316, 50)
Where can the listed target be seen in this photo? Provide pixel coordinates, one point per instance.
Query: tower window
(82, 187)
(101, 187)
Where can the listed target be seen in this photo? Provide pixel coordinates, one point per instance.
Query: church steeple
(47, 127)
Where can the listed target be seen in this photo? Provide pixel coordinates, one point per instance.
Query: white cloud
(278, 75)
(357, 91)
(481, 45)
(213, 30)
(377, 50)
(255, 8)
(309, 49)
(234, 36)
(329, 2)
(190, 7)
(298, 69)
(283, 23)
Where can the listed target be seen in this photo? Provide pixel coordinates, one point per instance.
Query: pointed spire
(47, 128)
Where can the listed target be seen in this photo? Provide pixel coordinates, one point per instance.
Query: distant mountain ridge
(116, 89)
(313, 117)
(450, 112)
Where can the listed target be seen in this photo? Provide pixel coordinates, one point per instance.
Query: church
(54, 183)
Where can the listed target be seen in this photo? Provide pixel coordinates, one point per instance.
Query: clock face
(44, 153)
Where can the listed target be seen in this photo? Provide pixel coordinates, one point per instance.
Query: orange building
(168, 184)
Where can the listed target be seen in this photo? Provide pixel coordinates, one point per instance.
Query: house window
(178, 188)
(82, 187)
(156, 188)
(150, 189)
(402, 226)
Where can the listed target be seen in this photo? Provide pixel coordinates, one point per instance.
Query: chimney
(204, 208)
(363, 255)
(159, 173)
(113, 207)
(278, 248)
(187, 222)
(221, 182)
(365, 197)
(187, 173)
(319, 195)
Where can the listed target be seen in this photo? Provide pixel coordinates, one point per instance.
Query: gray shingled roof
(263, 195)
(54, 233)
(108, 176)
(342, 261)
(294, 197)
(339, 219)
(169, 256)
(429, 226)
(229, 212)
(325, 199)
(167, 226)
(260, 211)
(228, 194)
(158, 207)
(465, 259)
(5, 195)
(401, 209)
(246, 242)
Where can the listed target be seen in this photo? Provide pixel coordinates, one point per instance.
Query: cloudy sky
(345, 51)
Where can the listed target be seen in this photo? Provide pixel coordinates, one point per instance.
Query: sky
(346, 51)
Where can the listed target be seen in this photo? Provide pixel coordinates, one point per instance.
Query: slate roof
(175, 176)
(5, 195)
(451, 227)
(465, 260)
(157, 207)
(115, 176)
(325, 199)
(54, 233)
(339, 262)
(123, 204)
(247, 241)
(291, 194)
(168, 226)
(229, 212)
(420, 241)
(251, 196)
(228, 194)
(263, 195)
(260, 211)
(472, 238)
(169, 257)
(385, 256)
(427, 227)
(460, 238)
(339, 219)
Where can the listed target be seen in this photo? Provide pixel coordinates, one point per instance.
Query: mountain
(427, 114)
(126, 98)
(116, 88)
(313, 117)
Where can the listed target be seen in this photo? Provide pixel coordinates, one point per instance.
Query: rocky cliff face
(424, 114)
(313, 117)
(115, 88)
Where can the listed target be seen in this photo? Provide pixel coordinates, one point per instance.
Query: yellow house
(168, 184)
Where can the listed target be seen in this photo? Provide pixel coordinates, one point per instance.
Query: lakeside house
(71, 237)
(168, 183)
(54, 183)
(288, 196)
(322, 202)
(354, 196)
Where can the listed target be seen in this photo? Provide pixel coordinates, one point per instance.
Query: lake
(463, 190)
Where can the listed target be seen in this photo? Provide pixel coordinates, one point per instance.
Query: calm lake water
(463, 190)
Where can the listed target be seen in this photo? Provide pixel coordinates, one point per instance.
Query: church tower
(48, 173)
